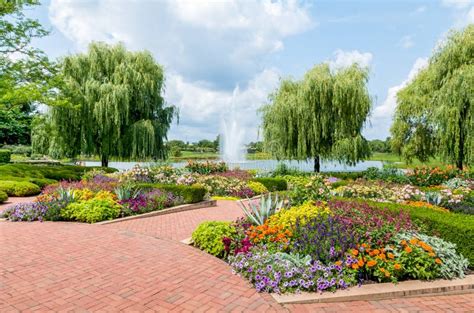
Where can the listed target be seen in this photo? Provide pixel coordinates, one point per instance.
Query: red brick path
(79, 267)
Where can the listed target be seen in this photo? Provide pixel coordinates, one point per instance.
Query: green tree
(116, 106)
(26, 75)
(320, 117)
(434, 112)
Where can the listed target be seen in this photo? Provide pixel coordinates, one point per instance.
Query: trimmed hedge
(190, 194)
(3, 196)
(345, 175)
(457, 228)
(5, 155)
(272, 184)
(19, 188)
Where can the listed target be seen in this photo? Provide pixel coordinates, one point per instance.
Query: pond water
(263, 165)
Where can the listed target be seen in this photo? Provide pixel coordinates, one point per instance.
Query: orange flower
(397, 266)
(376, 252)
(413, 241)
(371, 263)
(338, 263)
(438, 261)
(360, 263)
(390, 255)
(403, 242)
(432, 254)
(355, 252)
(355, 266)
(408, 249)
(387, 274)
(382, 256)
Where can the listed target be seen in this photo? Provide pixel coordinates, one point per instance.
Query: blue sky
(220, 55)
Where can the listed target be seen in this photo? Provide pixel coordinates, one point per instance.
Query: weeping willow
(116, 106)
(319, 117)
(434, 112)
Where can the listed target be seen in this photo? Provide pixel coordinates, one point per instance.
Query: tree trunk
(459, 161)
(317, 164)
(105, 161)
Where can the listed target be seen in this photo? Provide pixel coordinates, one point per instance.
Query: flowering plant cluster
(26, 212)
(426, 176)
(207, 167)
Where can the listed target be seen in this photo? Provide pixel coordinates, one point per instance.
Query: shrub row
(190, 194)
(19, 188)
(345, 175)
(5, 155)
(272, 184)
(3, 196)
(457, 228)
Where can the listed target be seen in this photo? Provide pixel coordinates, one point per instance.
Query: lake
(265, 165)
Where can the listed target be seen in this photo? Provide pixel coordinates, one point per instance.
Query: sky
(223, 58)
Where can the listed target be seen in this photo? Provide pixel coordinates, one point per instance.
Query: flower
(355, 266)
(355, 252)
(390, 255)
(397, 266)
(371, 263)
(438, 261)
(408, 249)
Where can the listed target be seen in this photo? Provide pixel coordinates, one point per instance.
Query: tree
(320, 117)
(25, 72)
(116, 106)
(378, 145)
(434, 112)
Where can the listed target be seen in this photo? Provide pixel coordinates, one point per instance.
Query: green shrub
(257, 188)
(190, 194)
(19, 188)
(91, 211)
(208, 236)
(3, 196)
(5, 155)
(345, 175)
(18, 149)
(272, 184)
(453, 227)
(339, 183)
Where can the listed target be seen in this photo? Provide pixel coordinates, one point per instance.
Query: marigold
(413, 241)
(360, 263)
(338, 263)
(432, 254)
(355, 266)
(355, 252)
(397, 266)
(376, 252)
(371, 263)
(408, 249)
(390, 255)
(438, 261)
(403, 242)
(387, 274)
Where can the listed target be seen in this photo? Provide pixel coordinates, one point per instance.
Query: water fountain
(232, 149)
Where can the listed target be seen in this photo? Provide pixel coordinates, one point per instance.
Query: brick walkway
(139, 266)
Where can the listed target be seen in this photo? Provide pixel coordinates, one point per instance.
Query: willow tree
(319, 117)
(434, 112)
(116, 106)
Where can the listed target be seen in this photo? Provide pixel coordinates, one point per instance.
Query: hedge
(3, 196)
(19, 188)
(5, 155)
(345, 175)
(457, 228)
(190, 194)
(272, 184)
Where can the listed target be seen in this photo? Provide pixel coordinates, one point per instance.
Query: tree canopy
(116, 106)
(319, 117)
(434, 112)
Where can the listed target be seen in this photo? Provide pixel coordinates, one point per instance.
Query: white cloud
(406, 42)
(347, 58)
(207, 48)
(463, 11)
(420, 9)
(458, 4)
(383, 114)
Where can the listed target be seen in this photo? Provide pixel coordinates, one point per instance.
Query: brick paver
(139, 266)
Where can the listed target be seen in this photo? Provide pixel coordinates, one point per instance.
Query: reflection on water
(265, 165)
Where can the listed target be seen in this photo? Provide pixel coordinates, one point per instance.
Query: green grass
(397, 161)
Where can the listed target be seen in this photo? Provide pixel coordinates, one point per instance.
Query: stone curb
(383, 291)
(179, 208)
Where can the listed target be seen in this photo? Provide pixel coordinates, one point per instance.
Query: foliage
(207, 167)
(239, 242)
(319, 117)
(150, 201)
(275, 238)
(258, 211)
(457, 182)
(189, 194)
(272, 184)
(208, 236)
(25, 212)
(425, 176)
(5, 156)
(282, 273)
(323, 237)
(3, 196)
(387, 174)
(115, 110)
(313, 188)
(92, 210)
(452, 264)
(19, 188)
(434, 112)
(288, 218)
(257, 188)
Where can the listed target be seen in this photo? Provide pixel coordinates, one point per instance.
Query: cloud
(406, 42)
(420, 9)
(347, 58)
(463, 11)
(458, 4)
(382, 115)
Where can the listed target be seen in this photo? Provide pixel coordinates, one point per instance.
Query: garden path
(140, 266)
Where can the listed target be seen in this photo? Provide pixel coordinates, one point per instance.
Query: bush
(19, 149)
(189, 194)
(207, 167)
(453, 227)
(345, 175)
(5, 155)
(3, 196)
(272, 184)
(208, 236)
(19, 188)
(91, 211)
(287, 217)
(257, 188)
(387, 174)
(25, 212)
